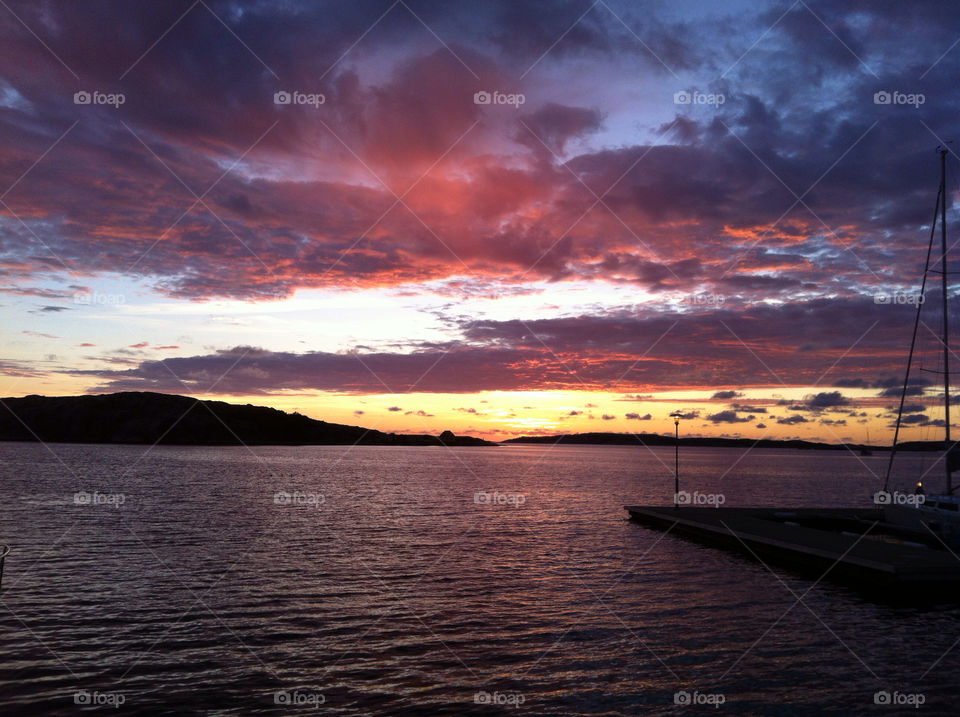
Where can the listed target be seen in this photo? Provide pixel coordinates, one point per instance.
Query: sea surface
(418, 581)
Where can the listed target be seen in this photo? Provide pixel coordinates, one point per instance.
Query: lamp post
(676, 458)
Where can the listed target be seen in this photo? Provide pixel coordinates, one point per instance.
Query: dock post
(676, 458)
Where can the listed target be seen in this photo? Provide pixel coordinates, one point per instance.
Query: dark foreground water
(376, 581)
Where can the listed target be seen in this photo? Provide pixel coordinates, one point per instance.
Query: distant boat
(940, 514)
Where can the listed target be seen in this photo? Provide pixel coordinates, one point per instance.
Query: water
(383, 587)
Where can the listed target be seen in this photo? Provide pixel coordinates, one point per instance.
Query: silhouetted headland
(655, 439)
(152, 418)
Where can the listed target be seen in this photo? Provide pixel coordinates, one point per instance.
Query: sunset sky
(664, 205)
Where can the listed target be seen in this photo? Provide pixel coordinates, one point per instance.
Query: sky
(501, 218)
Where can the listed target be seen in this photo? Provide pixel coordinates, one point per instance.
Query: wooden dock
(846, 544)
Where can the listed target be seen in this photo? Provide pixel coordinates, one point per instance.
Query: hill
(142, 417)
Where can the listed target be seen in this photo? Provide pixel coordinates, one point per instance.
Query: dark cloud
(726, 394)
(909, 408)
(727, 417)
(740, 408)
(554, 125)
(851, 383)
(826, 399)
(897, 392)
(638, 417)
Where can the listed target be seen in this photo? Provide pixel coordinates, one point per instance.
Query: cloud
(394, 409)
(310, 203)
(851, 383)
(791, 420)
(607, 417)
(727, 417)
(726, 394)
(826, 399)
(897, 392)
(638, 417)
(909, 408)
(553, 125)
(299, 200)
(740, 408)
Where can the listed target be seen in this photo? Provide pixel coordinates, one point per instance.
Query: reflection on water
(430, 581)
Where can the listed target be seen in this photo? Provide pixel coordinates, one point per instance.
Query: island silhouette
(159, 418)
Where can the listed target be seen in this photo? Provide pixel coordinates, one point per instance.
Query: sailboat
(937, 513)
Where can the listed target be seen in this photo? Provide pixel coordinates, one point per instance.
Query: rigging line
(946, 315)
(913, 342)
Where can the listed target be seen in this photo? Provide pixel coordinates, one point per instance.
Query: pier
(850, 545)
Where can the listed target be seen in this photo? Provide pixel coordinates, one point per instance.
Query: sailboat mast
(946, 323)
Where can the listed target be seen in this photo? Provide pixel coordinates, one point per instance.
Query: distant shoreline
(656, 439)
(146, 418)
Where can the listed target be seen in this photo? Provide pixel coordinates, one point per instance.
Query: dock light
(676, 416)
(919, 490)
